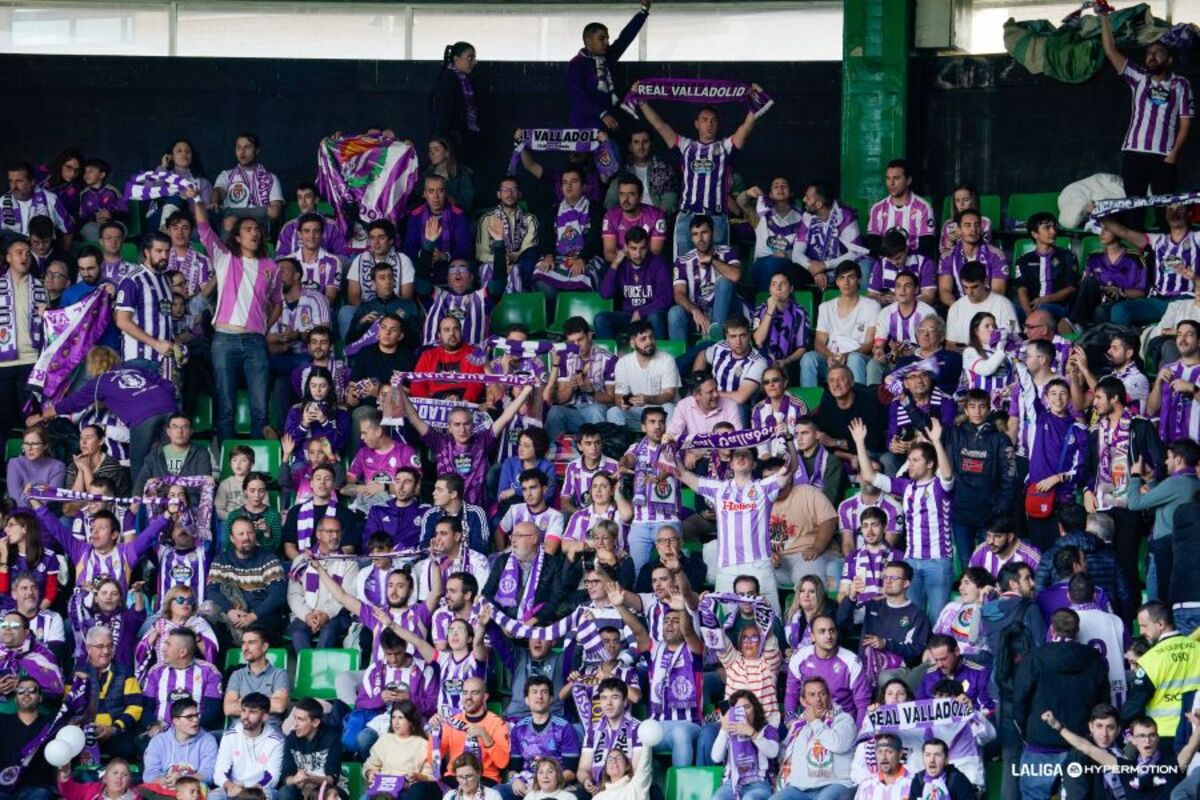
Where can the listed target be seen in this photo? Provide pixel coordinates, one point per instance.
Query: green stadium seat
(693, 783)
(202, 420)
(199, 247)
(578, 304)
(267, 455)
(608, 344)
(688, 498)
(811, 395)
(862, 208)
(527, 308)
(1023, 246)
(1022, 206)
(129, 252)
(1087, 246)
(672, 348)
(276, 656)
(317, 669)
(989, 206)
(352, 773)
(12, 448)
(241, 415)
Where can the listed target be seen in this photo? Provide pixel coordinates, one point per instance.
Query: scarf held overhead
(370, 172)
(699, 91)
(1106, 208)
(157, 184)
(464, 377)
(751, 437)
(568, 140)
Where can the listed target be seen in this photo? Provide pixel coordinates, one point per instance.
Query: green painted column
(876, 41)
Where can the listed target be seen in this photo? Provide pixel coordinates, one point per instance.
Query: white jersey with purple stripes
(661, 487)
(764, 414)
(705, 174)
(730, 369)
(915, 218)
(599, 369)
(850, 515)
(1157, 107)
(146, 294)
(893, 325)
(743, 517)
(549, 520)
(469, 309)
(577, 480)
(925, 506)
(452, 674)
(166, 684)
(701, 279)
(1170, 257)
(324, 271)
(584, 519)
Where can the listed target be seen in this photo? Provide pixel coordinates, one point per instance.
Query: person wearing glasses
(118, 695)
(56, 282)
(179, 610)
(16, 731)
(35, 466)
(22, 655)
(182, 750)
(178, 457)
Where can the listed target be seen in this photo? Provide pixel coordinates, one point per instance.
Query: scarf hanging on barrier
(463, 377)
(1106, 208)
(732, 440)
(699, 91)
(157, 184)
(568, 140)
(368, 172)
(69, 334)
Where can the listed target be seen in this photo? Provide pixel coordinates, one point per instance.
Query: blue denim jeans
(683, 231)
(679, 739)
(1047, 773)
(1141, 311)
(833, 791)
(966, 539)
(759, 790)
(680, 323)
(765, 268)
(560, 419)
(612, 324)
(356, 736)
(704, 742)
(814, 367)
(931, 581)
(245, 353)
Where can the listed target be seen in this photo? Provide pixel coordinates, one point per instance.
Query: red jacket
(437, 359)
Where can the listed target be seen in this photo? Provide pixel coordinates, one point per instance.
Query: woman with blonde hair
(178, 611)
(548, 782)
(141, 400)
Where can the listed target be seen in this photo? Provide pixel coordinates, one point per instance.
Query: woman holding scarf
(107, 608)
(453, 112)
(747, 745)
(180, 610)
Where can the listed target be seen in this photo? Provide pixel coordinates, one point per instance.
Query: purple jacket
(646, 289)
(132, 395)
(586, 101)
(455, 238)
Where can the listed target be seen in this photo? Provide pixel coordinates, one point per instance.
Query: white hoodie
(250, 761)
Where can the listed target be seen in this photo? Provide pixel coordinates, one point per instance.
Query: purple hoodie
(646, 289)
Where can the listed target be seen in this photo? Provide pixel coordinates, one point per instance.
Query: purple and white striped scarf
(698, 91)
(435, 413)
(156, 184)
(895, 379)
(730, 440)
(464, 377)
(1106, 208)
(305, 522)
(510, 581)
(366, 340)
(569, 140)
(817, 478)
(712, 630)
(371, 173)
(527, 348)
(75, 705)
(69, 333)
(202, 516)
(741, 760)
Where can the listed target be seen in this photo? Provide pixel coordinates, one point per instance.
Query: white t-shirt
(656, 377)
(958, 321)
(847, 334)
(238, 194)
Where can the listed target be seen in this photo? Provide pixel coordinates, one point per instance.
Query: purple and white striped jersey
(549, 521)
(469, 309)
(309, 311)
(790, 409)
(975, 375)
(730, 370)
(788, 331)
(661, 496)
(1024, 554)
(1157, 107)
(586, 517)
(600, 369)
(884, 272)
(442, 619)
(706, 174)
(1170, 257)
(867, 563)
(577, 480)
(1179, 417)
(1106, 633)
(166, 684)
(146, 295)
(323, 271)
(776, 235)
(925, 507)
(893, 325)
(701, 280)
(415, 618)
(360, 271)
(117, 271)
(452, 674)
(992, 258)
(850, 513)
(743, 518)
(914, 217)
(195, 267)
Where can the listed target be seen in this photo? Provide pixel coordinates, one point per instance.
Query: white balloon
(74, 737)
(650, 732)
(58, 753)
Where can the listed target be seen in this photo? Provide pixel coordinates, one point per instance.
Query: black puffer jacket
(985, 472)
